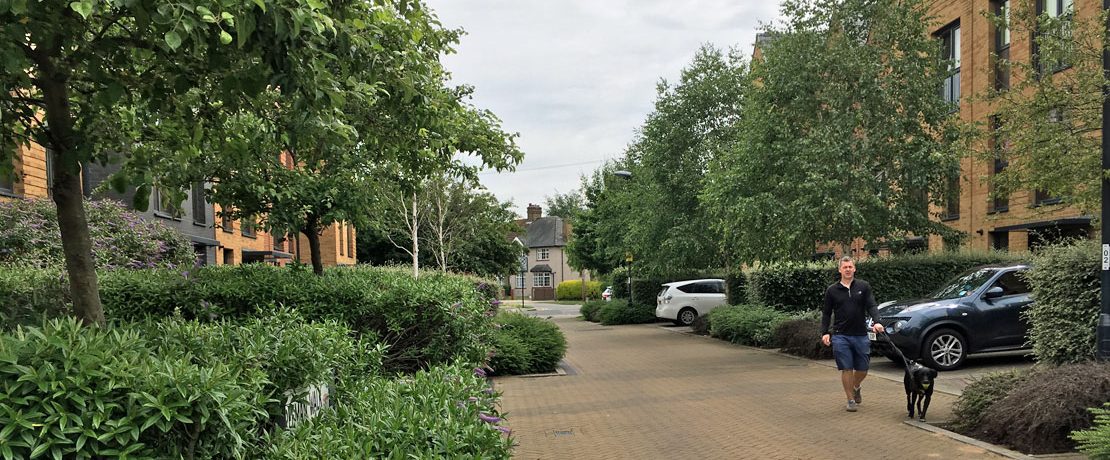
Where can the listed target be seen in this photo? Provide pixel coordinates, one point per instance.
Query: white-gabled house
(545, 238)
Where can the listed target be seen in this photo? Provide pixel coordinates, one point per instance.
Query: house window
(951, 210)
(541, 280)
(1055, 26)
(200, 217)
(950, 52)
(164, 205)
(247, 226)
(519, 281)
(543, 254)
(1002, 44)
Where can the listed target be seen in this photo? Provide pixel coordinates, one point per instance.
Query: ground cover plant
(980, 395)
(1095, 442)
(801, 336)
(526, 345)
(590, 310)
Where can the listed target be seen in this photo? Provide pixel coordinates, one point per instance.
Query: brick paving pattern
(645, 392)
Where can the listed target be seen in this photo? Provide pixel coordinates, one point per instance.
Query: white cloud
(576, 78)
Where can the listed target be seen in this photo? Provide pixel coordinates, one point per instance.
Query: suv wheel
(944, 350)
(686, 316)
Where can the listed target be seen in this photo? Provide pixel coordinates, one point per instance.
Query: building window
(1000, 241)
(1054, 25)
(164, 205)
(200, 216)
(7, 182)
(950, 52)
(951, 209)
(226, 223)
(341, 236)
(351, 241)
(543, 254)
(247, 226)
(541, 280)
(519, 281)
(229, 256)
(997, 203)
(1002, 44)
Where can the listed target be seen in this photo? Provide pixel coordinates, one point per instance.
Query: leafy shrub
(1038, 415)
(1096, 441)
(29, 296)
(572, 290)
(736, 287)
(444, 412)
(543, 344)
(291, 352)
(621, 312)
(798, 286)
(980, 395)
(700, 326)
(424, 321)
(120, 237)
(591, 310)
(745, 324)
(1065, 286)
(645, 291)
(74, 391)
(801, 336)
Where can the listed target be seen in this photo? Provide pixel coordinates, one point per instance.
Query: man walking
(847, 302)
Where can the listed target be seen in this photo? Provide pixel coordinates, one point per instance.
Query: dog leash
(905, 362)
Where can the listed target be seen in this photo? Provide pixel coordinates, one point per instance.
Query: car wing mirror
(993, 293)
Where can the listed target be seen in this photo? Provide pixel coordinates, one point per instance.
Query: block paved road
(644, 391)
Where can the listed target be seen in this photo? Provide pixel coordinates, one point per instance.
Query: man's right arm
(826, 314)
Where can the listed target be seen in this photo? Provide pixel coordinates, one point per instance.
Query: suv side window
(719, 287)
(691, 288)
(1012, 283)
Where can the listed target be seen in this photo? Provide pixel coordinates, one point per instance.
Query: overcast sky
(575, 78)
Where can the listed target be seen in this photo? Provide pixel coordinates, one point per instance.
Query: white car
(684, 301)
(608, 294)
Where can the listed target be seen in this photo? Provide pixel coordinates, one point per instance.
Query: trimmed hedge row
(426, 321)
(622, 312)
(1065, 286)
(801, 286)
(572, 290)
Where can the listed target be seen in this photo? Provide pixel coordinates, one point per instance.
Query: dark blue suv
(978, 311)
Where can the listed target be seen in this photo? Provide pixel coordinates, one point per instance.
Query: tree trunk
(415, 240)
(76, 243)
(312, 232)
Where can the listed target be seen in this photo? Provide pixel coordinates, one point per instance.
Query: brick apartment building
(216, 240)
(1025, 219)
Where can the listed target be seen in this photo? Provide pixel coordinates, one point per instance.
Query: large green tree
(844, 133)
(566, 205)
(597, 242)
(84, 78)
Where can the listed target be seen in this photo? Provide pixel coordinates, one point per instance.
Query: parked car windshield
(964, 284)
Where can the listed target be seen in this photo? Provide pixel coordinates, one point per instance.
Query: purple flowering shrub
(120, 237)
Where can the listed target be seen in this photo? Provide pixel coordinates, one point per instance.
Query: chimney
(534, 212)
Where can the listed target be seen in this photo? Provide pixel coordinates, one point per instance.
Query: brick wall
(30, 173)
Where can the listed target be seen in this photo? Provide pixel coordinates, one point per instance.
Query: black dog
(919, 388)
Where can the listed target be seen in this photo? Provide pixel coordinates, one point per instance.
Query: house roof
(545, 232)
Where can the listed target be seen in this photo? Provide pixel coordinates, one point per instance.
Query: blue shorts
(852, 352)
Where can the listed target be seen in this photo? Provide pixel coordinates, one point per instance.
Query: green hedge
(572, 290)
(736, 288)
(1065, 285)
(746, 324)
(801, 286)
(426, 321)
(591, 310)
(526, 345)
(621, 312)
